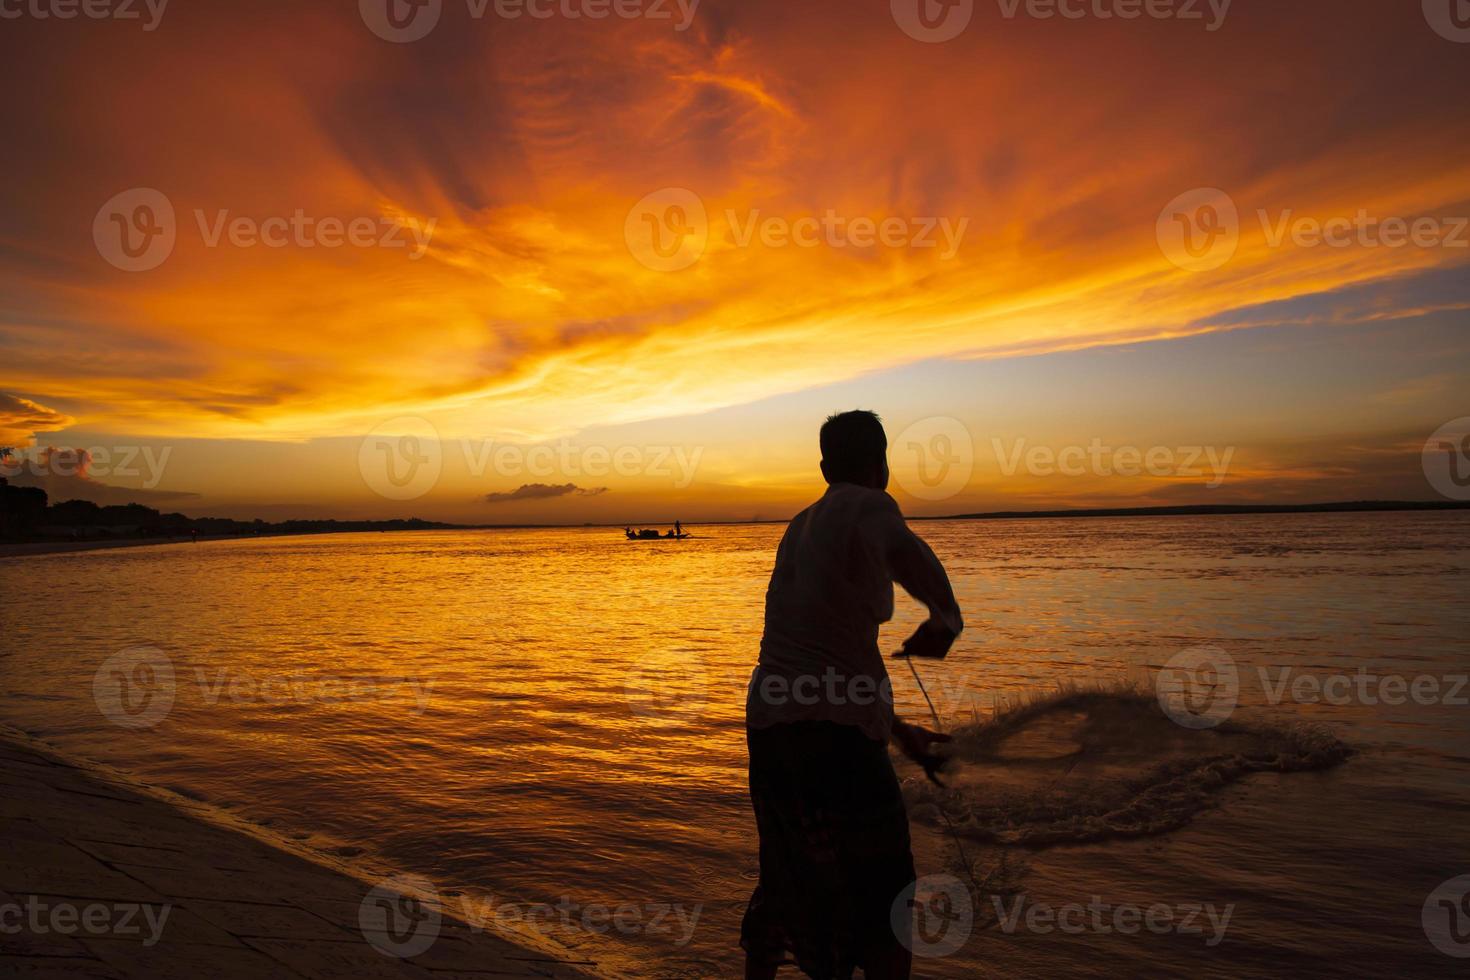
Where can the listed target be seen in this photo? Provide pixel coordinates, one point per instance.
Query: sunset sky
(1031, 177)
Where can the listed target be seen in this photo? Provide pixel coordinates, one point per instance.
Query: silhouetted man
(834, 836)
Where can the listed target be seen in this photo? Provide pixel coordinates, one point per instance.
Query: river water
(554, 717)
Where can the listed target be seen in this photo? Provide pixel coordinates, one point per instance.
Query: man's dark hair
(853, 445)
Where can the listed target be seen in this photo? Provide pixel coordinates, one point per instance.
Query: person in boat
(834, 835)
(678, 530)
(629, 532)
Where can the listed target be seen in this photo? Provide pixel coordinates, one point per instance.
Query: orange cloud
(21, 419)
(527, 145)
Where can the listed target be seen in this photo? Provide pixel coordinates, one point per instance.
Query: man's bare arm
(917, 569)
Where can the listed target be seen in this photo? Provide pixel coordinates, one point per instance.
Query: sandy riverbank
(112, 880)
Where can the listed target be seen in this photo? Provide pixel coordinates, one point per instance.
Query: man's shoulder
(866, 500)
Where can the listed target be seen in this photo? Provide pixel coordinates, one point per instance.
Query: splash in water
(1078, 766)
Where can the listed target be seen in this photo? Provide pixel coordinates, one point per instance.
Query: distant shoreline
(1205, 510)
(21, 549)
(1184, 510)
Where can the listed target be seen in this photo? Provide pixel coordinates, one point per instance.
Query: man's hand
(918, 744)
(932, 639)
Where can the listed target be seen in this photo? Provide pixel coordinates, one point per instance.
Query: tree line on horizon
(27, 513)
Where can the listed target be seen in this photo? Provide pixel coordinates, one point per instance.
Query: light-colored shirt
(831, 589)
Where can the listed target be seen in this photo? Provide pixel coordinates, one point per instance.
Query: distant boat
(650, 534)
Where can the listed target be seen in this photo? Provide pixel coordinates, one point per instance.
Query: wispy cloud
(543, 491)
(745, 110)
(529, 317)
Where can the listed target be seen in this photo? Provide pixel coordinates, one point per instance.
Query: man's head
(855, 450)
